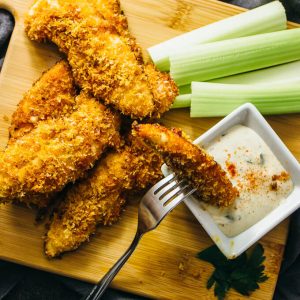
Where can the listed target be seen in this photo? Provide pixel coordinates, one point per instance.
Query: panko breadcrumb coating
(99, 198)
(52, 96)
(38, 200)
(57, 151)
(110, 10)
(191, 162)
(105, 59)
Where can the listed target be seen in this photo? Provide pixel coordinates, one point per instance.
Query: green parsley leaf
(211, 281)
(214, 256)
(243, 273)
(257, 256)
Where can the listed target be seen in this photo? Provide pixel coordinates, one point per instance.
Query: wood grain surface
(153, 270)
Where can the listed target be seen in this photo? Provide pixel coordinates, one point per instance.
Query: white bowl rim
(248, 115)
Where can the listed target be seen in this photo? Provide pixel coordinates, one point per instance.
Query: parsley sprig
(243, 273)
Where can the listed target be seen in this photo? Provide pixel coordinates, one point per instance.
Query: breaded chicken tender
(189, 161)
(52, 96)
(57, 151)
(105, 59)
(98, 199)
(110, 10)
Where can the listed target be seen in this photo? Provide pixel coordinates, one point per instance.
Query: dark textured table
(22, 283)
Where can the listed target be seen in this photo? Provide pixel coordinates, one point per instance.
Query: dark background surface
(22, 283)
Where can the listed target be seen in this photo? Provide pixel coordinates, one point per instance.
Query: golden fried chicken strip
(110, 10)
(52, 96)
(57, 151)
(191, 162)
(40, 201)
(99, 198)
(104, 59)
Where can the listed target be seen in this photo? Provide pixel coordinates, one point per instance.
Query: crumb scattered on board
(5, 118)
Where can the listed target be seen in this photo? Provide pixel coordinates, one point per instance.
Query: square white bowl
(249, 116)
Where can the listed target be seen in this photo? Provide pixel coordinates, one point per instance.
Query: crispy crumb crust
(51, 96)
(105, 59)
(57, 151)
(37, 201)
(191, 162)
(99, 198)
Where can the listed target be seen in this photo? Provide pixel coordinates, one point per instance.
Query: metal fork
(154, 206)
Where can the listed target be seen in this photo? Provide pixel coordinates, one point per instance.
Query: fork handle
(102, 285)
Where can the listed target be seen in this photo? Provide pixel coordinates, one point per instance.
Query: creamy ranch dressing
(255, 171)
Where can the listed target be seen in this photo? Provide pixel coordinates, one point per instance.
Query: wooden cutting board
(153, 270)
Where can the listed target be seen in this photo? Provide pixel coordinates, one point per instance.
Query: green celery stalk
(289, 73)
(220, 59)
(281, 73)
(267, 18)
(185, 89)
(182, 101)
(184, 97)
(217, 99)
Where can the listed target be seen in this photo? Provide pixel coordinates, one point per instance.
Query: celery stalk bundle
(220, 59)
(267, 18)
(285, 73)
(222, 65)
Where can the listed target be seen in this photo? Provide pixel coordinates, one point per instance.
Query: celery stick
(267, 18)
(217, 99)
(182, 101)
(220, 59)
(280, 73)
(289, 73)
(184, 98)
(185, 89)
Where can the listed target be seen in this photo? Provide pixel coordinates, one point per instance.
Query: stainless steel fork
(154, 206)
